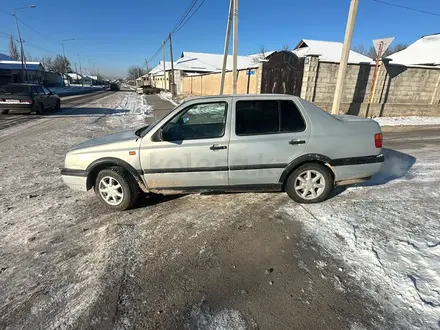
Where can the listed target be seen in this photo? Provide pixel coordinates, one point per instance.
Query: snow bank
(202, 318)
(406, 121)
(388, 233)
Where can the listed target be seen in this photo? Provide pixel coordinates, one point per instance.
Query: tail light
(26, 101)
(378, 140)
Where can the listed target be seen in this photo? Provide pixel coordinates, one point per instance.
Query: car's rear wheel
(4, 112)
(116, 188)
(39, 109)
(310, 183)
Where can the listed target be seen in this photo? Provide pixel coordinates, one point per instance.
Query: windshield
(15, 89)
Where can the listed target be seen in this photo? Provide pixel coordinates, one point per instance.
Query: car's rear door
(50, 99)
(193, 150)
(266, 135)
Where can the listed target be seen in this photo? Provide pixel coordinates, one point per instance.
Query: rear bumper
(75, 179)
(353, 170)
(16, 107)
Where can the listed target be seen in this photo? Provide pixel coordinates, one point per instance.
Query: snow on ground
(50, 259)
(177, 100)
(387, 231)
(405, 121)
(202, 318)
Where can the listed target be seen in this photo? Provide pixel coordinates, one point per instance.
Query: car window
(15, 89)
(45, 90)
(197, 121)
(39, 90)
(34, 90)
(291, 118)
(267, 117)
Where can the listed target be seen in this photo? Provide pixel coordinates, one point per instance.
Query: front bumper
(75, 179)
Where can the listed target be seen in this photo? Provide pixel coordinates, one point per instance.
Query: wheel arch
(305, 159)
(100, 164)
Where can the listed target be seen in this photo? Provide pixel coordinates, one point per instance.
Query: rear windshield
(15, 89)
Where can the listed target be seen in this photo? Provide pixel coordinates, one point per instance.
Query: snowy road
(368, 257)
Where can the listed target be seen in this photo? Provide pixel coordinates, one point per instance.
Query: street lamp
(23, 64)
(64, 58)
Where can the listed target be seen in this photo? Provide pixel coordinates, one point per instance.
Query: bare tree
(395, 48)
(135, 71)
(13, 52)
(371, 52)
(58, 63)
(285, 47)
(29, 58)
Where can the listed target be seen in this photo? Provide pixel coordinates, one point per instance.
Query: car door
(37, 95)
(266, 135)
(190, 149)
(50, 100)
(43, 98)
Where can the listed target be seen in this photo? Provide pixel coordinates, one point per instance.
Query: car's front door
(190, 149)
(42, 97)
(266, 135)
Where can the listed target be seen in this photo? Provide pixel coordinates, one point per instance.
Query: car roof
(256, 96)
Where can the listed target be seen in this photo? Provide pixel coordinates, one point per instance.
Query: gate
(282, 74)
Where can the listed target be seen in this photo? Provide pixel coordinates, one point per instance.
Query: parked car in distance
(147, 89)
(27, 97)
(114, 87)
(230, 143)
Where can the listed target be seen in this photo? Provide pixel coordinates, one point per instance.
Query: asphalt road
(67, 102)
(179, 262)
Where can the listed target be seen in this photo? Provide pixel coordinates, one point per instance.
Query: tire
(313, 192)
(128, 188)
(39, 109)
(58, 105)
(4, 112)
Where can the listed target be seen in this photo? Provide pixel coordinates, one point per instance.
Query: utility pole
(172, 83)
(80, 70)
(65, 59)
(226, 50)
(23, 62)
(235, 48)
(344, 56)
(164, 68)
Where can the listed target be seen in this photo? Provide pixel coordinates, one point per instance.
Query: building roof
(327, 50)
(425, 51)
(207, 62)
(16, 65)
(4, 57)
(158, 69)
(74, 75)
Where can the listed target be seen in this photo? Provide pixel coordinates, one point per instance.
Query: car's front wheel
(58, 105)
(116, 188)
(310, 183)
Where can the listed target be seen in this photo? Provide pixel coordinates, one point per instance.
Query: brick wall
(399, 90)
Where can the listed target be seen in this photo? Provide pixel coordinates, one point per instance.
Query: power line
(36, 31)
(39, 47)
(5, 12)
(195, 11)
(184, 16)
(408, 8)
(181, 23)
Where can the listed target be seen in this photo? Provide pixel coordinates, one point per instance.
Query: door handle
(217, 147)
(294, 142)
